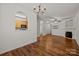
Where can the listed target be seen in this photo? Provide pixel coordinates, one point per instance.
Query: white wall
(11, 38)
(46, 28)
(76, 23)
(38, 25)
(60, 30)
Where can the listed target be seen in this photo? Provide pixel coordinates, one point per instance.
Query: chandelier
(39, 9)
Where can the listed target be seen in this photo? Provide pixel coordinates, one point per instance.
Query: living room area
(39, 29)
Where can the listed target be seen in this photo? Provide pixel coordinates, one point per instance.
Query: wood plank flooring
(48, 45)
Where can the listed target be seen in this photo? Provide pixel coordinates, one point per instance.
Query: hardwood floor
(48, 45)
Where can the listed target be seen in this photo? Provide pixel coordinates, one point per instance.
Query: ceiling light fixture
(39, 9)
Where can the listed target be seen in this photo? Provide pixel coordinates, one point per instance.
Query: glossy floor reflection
(48, 45)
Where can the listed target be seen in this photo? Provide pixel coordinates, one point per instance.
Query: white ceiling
(57, 9)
